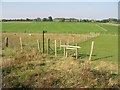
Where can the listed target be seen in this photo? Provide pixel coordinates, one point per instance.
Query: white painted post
(91, 51)
(38, 42)
(55, 49)
(21, 43)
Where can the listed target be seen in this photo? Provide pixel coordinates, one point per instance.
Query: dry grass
(42, 71)
(31, 69)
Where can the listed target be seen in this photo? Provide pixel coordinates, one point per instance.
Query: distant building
(59, 19)
(74, 20)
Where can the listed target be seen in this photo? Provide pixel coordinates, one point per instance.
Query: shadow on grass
(81, 56)
(102, 58)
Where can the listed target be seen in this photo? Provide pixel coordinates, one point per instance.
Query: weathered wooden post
(43, 40)
(38, 42)
(48, 46)
(21, 43)
(91, 51)
(60, 44)
(55, 49)
(6, 41)
(65, 51)
(76, 52)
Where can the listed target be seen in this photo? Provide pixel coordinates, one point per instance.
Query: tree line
(50, 19)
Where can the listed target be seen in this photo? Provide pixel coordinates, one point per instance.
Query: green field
(57, 27)
(29, 68)
(107, 41)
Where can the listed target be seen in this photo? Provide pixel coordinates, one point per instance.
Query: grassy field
(30, 68)
(57, 27)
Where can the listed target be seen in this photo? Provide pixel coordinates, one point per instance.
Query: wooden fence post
(48, 46)
(76, 52)
(55, 49)
(65, 51)
(60, 44)
(21, 43)
(6, 41)
(38, 42)
(91, 51)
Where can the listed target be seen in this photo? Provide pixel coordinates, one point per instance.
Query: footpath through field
(101, 27)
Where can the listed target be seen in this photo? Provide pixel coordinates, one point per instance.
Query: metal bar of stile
(67, 46)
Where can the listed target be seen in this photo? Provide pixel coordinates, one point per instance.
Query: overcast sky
(90, 10)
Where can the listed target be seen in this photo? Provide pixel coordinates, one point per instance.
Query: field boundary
(101, 27)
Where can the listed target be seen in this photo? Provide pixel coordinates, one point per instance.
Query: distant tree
(4, 20)
(27, 19)
(62, 20)
(38, 19)
(50, 18)
(84, 20)
(105, 20)
(44, 19)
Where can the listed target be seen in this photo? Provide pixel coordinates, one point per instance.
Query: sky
(80, 10)
(60, 0)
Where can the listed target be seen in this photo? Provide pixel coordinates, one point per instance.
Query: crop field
(30, 68)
